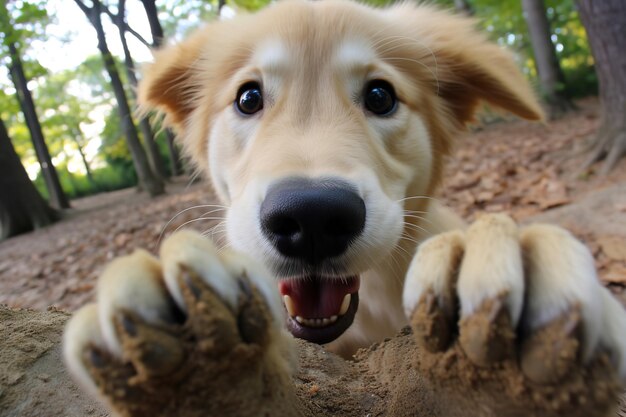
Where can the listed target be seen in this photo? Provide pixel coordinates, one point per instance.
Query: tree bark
(463, 7)
(77, 138)
(149, 181)
(144, 124)
(155, 24)
(156, 31)
(605, 22)
(174, 155)
(58, 199)
(22, 208)
(546, 61)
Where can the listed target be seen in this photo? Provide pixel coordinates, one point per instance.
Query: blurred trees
(15, 33)
(551, 77)
(119, 19)
(21, 206)
(156, 30)
(85, 111)
(147, 178)
(606, 25)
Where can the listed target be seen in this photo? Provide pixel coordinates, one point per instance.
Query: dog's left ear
(467, 66)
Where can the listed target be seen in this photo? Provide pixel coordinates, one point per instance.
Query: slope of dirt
(33, 380)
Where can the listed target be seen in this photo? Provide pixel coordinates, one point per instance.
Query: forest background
(69, 71)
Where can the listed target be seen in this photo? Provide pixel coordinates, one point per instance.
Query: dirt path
(515, 167)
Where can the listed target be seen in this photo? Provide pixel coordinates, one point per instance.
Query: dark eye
(249, 98)
(380, 98)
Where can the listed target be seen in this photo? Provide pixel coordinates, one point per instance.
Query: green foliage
(251, 5)
(114, 149)
(185, 15)
(22, 20)
(72, 103)
(504, 21)
(76, 185)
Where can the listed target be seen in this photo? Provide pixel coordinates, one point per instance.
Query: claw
(244, 284)
(95, 357)
(153, 350)
(432, 328)
(487, 335)
(188, 277)
(549, 354)
(128, 325)
(254, 317)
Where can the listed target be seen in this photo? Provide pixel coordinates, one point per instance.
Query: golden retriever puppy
(323, 127)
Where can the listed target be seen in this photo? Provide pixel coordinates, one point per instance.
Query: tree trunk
(77, 137)
(463, 7)
(58, 199)
(175, 164)
(22, 208)
(144, 124)
(149, 181)
(546, 62)
(157, 40)
(153, 19)
(605, 22)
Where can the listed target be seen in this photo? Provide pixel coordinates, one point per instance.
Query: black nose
(312, 219)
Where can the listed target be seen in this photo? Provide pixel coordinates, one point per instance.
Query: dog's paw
(518, 316)
(196, 333)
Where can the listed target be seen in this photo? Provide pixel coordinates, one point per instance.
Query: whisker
(183, 211)
(423, 219)
(417, 228)
(192, 178)
(410, 239)
(417, 197)
(197, 220)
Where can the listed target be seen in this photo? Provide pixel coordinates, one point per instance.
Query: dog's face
(321, 124)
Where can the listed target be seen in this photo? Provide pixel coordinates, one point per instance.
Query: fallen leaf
(614, 247)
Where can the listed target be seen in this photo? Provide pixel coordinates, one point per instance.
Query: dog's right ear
(168, 83)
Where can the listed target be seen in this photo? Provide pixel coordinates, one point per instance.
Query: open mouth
(320, 308)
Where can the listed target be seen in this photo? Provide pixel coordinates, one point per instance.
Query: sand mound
(388, 379)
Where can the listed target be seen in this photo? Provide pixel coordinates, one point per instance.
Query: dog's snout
(312, 220)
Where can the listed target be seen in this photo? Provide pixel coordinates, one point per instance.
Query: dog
(323, 128)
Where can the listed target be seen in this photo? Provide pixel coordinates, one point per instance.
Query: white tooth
(345, 304)
(300, 319)
(333, 319)
(325, 322)
(291, 309)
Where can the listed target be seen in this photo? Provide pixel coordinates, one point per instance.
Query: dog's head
(320, 124)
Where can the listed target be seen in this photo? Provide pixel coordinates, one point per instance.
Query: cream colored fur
(313, 59)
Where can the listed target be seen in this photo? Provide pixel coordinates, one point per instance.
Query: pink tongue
(315, 297)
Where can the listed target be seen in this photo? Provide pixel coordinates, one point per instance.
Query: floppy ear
(467, 66)
(168, 83)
